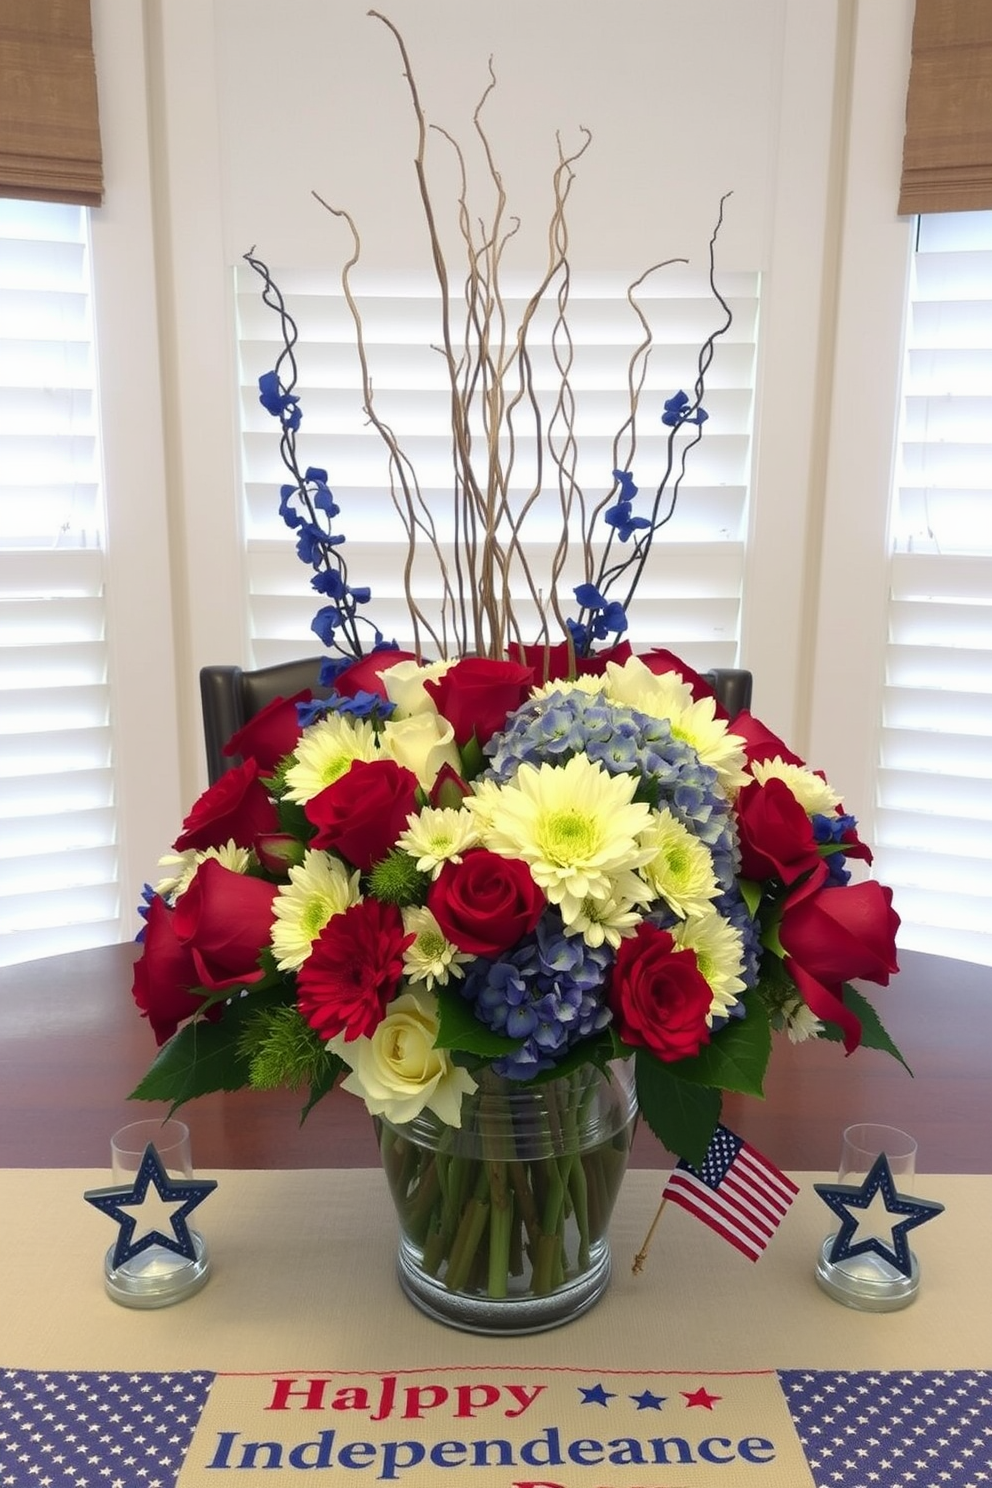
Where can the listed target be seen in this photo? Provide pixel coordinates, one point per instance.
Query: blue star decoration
(187, 1193)
(648, 1400)
(848, 1200)
(595, 1395)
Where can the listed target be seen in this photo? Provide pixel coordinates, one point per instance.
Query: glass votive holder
(156, 1276)
(868, 1281)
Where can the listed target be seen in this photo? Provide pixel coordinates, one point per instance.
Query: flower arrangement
(512, 864)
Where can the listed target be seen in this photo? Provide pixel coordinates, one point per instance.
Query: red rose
(776, 835)
(353, 970)
(361, 815)
(236, 807)
(843, 933)
(834, 936)
(660, 998)
(595, 665)
(165, 974)
(224, 920)
(485, 903)
(551, 663)
(365, 675)
(271, 734)
(760, 743)
(476, 694)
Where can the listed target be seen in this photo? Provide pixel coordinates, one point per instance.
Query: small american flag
(736, 1191)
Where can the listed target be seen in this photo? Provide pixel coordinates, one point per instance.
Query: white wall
(243, 108)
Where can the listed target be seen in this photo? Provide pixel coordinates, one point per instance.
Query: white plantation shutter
(58, 858)
(690, 595)
(934, 829)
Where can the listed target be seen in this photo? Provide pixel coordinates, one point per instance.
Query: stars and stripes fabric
(97, 1430)
(735, 1191)
(867, 1428)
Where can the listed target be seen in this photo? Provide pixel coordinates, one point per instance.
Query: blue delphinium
(547, 990)
(828, 829)
(624, 741)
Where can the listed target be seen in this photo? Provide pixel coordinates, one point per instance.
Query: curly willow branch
(497, 413)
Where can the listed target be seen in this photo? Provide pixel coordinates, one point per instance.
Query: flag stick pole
(642, 1254)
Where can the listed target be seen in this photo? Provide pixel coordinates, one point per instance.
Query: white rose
(404, 684)
(423, 744)
(398, 1071)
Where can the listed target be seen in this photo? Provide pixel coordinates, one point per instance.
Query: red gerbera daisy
(353, 970)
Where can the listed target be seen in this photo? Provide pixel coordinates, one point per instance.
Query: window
(58, 831)
(934, 828)
(690, 597)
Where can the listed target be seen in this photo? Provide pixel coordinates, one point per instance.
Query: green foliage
(293, 819)
(682, 1114)
(737, 1055)
(282, 1049)
(460, 1029)
(398, 880)
(873, 1033)
(200, 1058)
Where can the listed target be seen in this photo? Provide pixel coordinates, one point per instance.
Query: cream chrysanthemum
(439, 835)
(585, 683)
(657, 694)
(812, 792)
(801, 1023)
(680, 869)
(574, 825)
(184, 866)
(431, 959)
(319, 888)
(695, 723)
(482, 803)
(719, 952)
(606, 920)
(325, 751)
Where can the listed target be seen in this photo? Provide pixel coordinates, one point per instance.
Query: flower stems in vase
(516, 1200)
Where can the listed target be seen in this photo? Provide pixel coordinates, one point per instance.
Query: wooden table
(72, 1046)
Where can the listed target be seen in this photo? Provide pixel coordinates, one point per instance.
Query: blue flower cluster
(624, 741)
(547, 991)
(832, 829)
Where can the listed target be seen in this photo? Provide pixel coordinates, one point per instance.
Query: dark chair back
(231, 696)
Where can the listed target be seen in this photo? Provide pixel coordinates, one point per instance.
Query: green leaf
(205, 1056)
(873, 1032)
(200, 1058)
(751, 894)
(460, 1029)
(294, 820)
(737, 1055)
(323, 1086)
(682, 1115)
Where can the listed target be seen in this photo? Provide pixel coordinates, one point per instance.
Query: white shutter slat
(58, 830)
(690, 595)
(934, 826)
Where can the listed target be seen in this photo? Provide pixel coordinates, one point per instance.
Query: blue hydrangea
(547, 990)
(552, 729)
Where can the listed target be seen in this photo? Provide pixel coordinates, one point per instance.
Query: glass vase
(504, 1221)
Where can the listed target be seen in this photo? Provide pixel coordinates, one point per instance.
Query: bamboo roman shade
(947, 153)
(49, 126)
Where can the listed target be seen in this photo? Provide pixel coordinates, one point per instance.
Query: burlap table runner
(304, 1356)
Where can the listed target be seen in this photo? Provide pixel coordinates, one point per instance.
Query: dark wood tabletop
(72, 1047)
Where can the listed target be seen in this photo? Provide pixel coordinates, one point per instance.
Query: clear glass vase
(504, 1221)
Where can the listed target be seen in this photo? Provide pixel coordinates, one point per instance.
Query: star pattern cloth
(97, 1430)
(871, 1429)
